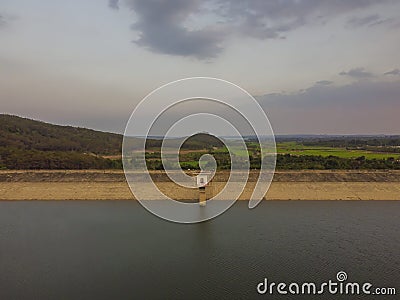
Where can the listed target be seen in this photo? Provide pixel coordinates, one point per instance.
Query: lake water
(118, 250)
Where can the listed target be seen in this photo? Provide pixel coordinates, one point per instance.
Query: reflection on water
(117, 250)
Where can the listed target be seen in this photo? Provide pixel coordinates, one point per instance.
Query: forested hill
(29, 144)
(22, 133)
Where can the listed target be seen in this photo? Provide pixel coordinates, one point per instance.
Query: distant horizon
(227, 136)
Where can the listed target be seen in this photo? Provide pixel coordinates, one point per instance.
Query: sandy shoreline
(111, 185)
(278, 191)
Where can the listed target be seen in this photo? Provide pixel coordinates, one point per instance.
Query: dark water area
(118, 250)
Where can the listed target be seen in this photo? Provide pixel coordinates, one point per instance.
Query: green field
(294, 148)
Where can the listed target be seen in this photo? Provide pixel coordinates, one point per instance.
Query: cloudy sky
(315, 66)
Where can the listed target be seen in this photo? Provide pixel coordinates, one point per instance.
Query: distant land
(31, 144)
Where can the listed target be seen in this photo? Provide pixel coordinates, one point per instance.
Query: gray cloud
(160, 29)
(360, 93)
(360, 107)
(370, 20)
(113, 4)
(393, 72)
(358, 73)
(7, 19)
(324, 82)
(2, 21)
(170, 26)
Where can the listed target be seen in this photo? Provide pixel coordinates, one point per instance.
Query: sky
(315, 66)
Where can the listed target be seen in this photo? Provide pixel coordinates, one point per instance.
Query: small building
(202, 180)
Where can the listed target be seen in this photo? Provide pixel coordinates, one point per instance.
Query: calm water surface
(118, 250)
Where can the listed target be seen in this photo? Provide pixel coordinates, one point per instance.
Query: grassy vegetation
(297, 149)
(29, 144)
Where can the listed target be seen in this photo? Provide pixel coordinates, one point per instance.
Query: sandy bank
(120, 191)
(111, 185)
